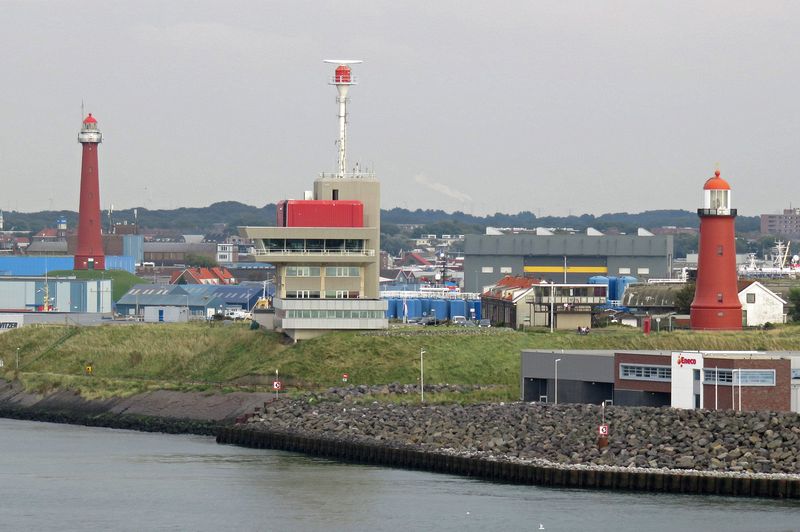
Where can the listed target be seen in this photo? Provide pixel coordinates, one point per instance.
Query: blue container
(458, 307)
(474, 309)
(391, 309)
(612, 288)
(478, 313)
(414, 308)
(598, 279)
(439, 309)
(426, 306)
(623, 283)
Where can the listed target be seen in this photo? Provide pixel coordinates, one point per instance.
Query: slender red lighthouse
(716, 298)
(89, 255)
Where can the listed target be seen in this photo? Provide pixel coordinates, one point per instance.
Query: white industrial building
(49, 294)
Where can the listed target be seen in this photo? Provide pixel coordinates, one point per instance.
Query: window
(719, 250)
(710, 376)
(751, 298)
(302, 271)
(336, 314)
(749, 377)
(756, 377)
(487, 269)
(624, 271)
(505, 269)
(643, 271)
(645, 373)
(719, 297)
(342, 271)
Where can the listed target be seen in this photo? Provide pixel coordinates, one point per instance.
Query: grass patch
(133, 358)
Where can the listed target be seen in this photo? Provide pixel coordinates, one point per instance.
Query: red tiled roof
(48, 232)
(510, 281)
(215, 275)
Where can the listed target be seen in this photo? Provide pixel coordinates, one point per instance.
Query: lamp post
(421, 376)
(552, 299)
(556, 379)
(17, 360)
(736, 376)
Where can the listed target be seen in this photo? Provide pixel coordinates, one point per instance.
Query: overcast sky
(554, 107)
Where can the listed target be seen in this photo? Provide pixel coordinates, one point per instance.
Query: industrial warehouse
(699, 379)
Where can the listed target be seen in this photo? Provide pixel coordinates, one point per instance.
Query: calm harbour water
(61, 477)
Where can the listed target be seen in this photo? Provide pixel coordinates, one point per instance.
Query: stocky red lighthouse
(89, 255)
(716, 298)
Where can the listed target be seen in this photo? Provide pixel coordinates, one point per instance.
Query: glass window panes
(342, 271)
(302, 271)
(645, 373)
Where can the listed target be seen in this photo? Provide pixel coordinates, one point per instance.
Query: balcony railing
(315, 252)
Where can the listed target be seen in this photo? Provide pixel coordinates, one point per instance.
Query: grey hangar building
(570, 258)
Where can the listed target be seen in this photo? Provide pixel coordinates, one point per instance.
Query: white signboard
(9, 322)
(687, 380)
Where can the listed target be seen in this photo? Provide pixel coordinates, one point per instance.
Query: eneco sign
(687, 361)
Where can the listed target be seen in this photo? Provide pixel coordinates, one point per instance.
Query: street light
(556, 379)
(736, 375)
(421, 376)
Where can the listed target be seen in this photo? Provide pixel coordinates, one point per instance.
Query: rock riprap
(640, 437)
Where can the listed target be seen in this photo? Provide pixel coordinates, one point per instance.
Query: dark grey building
(488, 258)
(583, 376)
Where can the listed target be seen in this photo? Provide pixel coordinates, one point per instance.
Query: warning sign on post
(602, 430)
(345, 376)
(277, 385)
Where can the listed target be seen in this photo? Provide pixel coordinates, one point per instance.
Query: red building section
(89, 254)
(320, 213)
(716, 303)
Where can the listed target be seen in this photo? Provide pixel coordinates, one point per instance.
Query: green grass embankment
(132, 358)
(122, 281)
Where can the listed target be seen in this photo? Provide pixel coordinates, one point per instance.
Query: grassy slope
(136, 357)
(122, 281)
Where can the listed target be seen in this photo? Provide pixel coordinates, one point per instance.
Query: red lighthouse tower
(89, 255)
(716, 298)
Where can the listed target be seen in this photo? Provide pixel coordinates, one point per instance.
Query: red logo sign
(277, 386)
(602, 430)
(345, 376)
(688, 361)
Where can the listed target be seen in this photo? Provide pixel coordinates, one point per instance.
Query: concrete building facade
(326, 278)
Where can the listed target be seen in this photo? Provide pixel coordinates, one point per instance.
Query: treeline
(202, 220)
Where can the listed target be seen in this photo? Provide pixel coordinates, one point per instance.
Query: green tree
(198, 261)
(794, 299)
(684, 298)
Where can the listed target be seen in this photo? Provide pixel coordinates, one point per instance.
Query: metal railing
(357, 174)
(315, 252)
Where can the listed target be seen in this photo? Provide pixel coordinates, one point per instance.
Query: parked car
(459, 320)
(484, 323)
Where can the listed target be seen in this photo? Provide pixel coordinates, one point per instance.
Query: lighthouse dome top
(90, 119)
(716, 183)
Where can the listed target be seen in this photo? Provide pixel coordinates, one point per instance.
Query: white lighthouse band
(89, 133)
